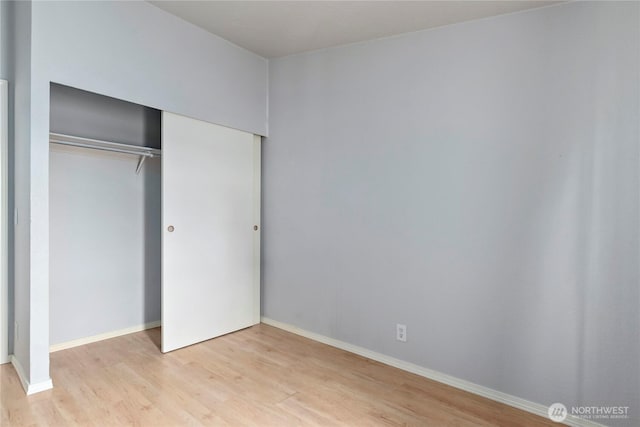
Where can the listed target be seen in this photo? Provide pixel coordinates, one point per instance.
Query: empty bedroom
(336, 213)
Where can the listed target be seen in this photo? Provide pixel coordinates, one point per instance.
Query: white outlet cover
(401, 332)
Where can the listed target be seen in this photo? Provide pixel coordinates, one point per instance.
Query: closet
(154, 218)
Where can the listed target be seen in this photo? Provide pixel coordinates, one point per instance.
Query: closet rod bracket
(140, 163)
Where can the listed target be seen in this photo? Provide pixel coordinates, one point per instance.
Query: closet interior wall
(104, 218)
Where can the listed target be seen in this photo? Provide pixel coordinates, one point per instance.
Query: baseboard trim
(507, 399)
(105, 336)
(26, 385)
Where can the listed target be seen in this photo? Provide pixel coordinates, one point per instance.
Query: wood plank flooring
(261, 376)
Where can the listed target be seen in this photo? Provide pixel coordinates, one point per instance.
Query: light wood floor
(261, 376)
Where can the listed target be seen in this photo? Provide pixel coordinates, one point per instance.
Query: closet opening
(105, 217)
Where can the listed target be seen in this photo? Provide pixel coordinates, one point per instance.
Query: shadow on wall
(152, 239)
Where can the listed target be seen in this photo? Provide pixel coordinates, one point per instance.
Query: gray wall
(137, 52)
(105, 243)
(476, 182)
(7, 63)
(23, 296)
(104, 219)
(131, 51)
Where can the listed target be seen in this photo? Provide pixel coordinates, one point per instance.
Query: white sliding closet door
(210, 249)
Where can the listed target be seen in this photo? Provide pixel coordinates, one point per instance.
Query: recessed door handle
(170, 228)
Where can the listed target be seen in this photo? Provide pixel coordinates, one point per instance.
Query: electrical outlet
(401, 332)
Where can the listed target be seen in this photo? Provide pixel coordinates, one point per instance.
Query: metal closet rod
(96, 144)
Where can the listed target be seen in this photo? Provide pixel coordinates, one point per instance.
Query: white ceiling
(279, 28)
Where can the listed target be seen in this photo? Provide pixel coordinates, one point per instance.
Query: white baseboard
(105, 336)
(507, 399)
(28, 387)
